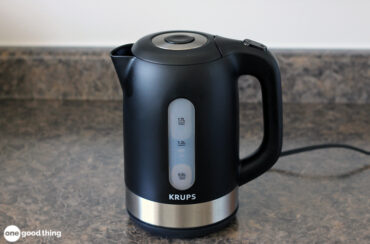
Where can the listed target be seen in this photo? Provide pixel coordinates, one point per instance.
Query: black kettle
(181, 128)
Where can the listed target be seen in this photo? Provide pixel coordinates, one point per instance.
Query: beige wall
(279, 24)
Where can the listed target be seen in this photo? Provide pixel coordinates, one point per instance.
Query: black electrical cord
(322, 146)
(322, 177)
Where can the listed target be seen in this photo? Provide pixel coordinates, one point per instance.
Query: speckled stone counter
(308, 76)
(61, 168)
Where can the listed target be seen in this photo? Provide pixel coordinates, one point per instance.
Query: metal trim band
(182, 216)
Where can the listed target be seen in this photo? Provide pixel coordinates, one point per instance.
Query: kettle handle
(252, 58)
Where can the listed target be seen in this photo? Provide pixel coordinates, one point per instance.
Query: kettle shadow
(321, 177)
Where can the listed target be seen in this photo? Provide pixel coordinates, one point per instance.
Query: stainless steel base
(182, 216)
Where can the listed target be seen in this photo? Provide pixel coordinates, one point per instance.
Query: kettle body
(181, 128)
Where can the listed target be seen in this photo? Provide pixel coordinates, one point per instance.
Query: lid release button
(179, 39)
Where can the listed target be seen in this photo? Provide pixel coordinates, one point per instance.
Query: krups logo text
(182, 197)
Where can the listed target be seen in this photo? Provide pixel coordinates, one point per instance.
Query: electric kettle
(181, 128)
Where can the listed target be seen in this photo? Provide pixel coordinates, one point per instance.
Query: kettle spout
(122, 58)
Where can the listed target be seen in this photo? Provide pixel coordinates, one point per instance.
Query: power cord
(322, 146)
(322, 177)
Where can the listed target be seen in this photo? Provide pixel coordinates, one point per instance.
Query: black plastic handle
(252, 58)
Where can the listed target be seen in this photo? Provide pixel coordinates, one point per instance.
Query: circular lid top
(179, 39)
(177, 48)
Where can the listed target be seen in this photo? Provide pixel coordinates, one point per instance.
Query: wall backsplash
(309, 76)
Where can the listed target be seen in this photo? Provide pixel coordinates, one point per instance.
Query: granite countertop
(61, 168)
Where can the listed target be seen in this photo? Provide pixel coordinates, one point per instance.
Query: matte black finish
(212, 89)
(207, 76)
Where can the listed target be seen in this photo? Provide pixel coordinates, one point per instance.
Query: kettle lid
(177, 48)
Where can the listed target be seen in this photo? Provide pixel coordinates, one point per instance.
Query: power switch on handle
(254, 44)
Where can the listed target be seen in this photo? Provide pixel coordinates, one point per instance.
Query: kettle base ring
(184, 232)
(182, 216)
